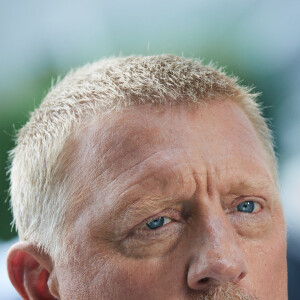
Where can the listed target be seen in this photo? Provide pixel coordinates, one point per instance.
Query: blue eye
(158, 222)
(247, 207)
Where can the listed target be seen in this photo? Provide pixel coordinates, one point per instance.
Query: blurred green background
(255, 40)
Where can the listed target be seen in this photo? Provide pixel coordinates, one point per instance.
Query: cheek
(139, 279)
(267, 265)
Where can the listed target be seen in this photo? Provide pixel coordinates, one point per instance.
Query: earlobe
(29, 271)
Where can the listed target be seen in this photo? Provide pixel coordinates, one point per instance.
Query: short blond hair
(39, 202)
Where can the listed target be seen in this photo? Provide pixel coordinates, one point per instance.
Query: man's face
(174, 204)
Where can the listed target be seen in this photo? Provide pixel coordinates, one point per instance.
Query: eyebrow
(250, 184)
(149, 203)
(138, 201)
(144, 206)
(134, 209)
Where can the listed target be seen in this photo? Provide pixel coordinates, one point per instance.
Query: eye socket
(158, 222)
(248, 207)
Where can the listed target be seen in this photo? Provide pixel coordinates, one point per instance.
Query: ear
(29, 271)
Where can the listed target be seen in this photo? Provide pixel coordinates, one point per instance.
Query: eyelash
(176, 216)
(172, 214)
(257, 202)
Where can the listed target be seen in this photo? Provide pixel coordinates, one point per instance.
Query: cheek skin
(119, 278)
(111, 275)
(155, 278)
(266, 259)
(159, 246)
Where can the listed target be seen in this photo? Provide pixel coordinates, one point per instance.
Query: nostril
(204, 280)
(242, 275)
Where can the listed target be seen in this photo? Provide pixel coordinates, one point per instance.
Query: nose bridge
(220, 245)
(218, 258)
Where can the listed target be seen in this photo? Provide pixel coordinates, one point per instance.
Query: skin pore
(175, 203)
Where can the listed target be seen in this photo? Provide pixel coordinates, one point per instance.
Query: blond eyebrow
(147, 204)
(150, 202)
(254, 184)
(137, 208)
(144, 206)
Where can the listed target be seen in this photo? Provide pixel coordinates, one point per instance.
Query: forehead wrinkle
(139, 172)
(139, 166)
(108, 149)
(180, 186)
(223, 180)
(123, 148)
(181, 183)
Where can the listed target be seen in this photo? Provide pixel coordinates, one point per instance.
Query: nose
(217, 258)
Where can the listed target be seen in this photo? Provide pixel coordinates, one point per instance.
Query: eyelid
(166, 220)
(259, 200)
(256, 209)
(172, 214)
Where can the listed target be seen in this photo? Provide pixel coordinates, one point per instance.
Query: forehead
(218, 134)
(141, 129)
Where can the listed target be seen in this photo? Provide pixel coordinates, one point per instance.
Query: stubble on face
(229, 292)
